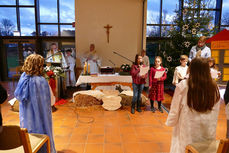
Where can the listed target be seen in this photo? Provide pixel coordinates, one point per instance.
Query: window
(26, 2)
(67, 11)
(153, 12)
(49, 30)
(8, 21)
(225, 13)
(161, 13)
(60, 20)
(159, 18)
(210, 4)
(7, 2)
(48, 11)
(153, 31)
(27, 20)
(168, 9)
(67, 30)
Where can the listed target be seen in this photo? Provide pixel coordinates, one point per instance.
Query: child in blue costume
(34, 95)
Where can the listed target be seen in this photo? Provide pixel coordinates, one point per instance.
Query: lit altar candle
(85, 68)
(88, 70)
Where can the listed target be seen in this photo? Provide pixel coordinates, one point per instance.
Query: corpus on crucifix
(108, 31)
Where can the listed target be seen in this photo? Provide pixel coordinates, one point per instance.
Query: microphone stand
(123, 57)
(112, 62)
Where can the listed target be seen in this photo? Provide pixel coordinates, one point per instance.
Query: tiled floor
(99, 131)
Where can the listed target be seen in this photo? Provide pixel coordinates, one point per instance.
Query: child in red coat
(138, 83)
(156, 85)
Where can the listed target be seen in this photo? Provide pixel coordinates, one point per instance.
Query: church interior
(86, 76)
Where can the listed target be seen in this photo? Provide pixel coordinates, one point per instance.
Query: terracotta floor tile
(132, 148)
(57, 123)
(61, 140)
(112, 138)
(97, 130)
(94, 148)
(69, 123)
(150, 147)
(62, 131)
(130, 138)
(95, 138)
(146, 138)
(113, 148)
(76, 138)
(127, 130)
(60, 147)
(112, 130)
(144, 130)
(75, 148)
(80, 130)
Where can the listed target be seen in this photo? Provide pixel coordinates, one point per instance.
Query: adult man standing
(200, 50)
(55, 56)
(92, 59)
(146, 62)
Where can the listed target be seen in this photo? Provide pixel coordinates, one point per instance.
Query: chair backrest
(223, 146)
(10, 137)
(13, 136)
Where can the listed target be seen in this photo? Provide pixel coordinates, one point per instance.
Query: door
(16, 52)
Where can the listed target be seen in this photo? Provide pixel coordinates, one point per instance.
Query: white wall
(125, 37)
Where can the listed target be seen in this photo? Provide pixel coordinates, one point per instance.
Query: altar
(105, 80)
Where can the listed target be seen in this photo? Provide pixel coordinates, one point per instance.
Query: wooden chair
(18, 74)
(14, 139)
(215, 146)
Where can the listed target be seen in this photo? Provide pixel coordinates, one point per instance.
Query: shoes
(54, 108)
(132, 110)
(153, 109)
(139, 109)
(160, 109)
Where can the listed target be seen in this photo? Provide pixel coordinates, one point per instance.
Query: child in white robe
(71, 80)
(194, 107)
(180, 72)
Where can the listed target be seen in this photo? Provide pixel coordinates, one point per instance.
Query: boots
(132, 108)
(152, 107)
(159, 107)
(139, 106)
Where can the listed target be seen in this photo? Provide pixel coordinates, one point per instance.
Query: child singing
(180, 72)
(156, 85)
(138, 83)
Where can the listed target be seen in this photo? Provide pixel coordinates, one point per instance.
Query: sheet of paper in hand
(159, 74)
(214, 74)
(143, 70)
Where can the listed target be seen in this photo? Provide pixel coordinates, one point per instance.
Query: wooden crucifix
(108, 31)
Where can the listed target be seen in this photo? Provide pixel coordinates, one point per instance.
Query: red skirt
(156, 92)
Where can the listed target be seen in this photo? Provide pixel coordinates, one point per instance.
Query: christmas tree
(189, 24)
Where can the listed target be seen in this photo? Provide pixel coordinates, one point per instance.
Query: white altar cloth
(103, 78)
